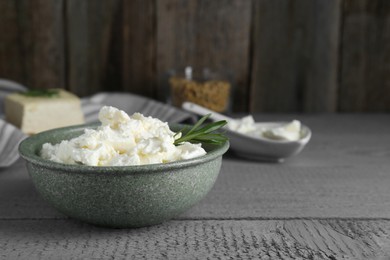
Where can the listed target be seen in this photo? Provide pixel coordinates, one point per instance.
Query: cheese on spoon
(248, 126)
(290, 132)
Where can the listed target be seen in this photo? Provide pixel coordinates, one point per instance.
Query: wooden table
(330, 202)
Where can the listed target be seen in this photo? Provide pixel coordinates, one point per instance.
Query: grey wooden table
(330, 202)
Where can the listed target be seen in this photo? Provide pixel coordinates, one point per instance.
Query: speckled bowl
(120, 196)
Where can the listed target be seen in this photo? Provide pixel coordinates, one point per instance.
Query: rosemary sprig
(203, 134)
(40, 93)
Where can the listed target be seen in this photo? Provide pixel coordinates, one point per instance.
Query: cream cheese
(248, 126)
(122, 140)
(290, 132)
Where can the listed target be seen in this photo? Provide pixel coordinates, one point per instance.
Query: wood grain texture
(268, 239)
(343, 172)
(43, 43)
(33, 44)
(202, 33)
(11, 63)
(139, 73)
(282, 56)
(331, 202)
(93, 41)
(295, 56)
(365, 71)
(251, 191)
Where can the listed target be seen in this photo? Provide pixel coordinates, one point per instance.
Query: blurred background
(280, 55)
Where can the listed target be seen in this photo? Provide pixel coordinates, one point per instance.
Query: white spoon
(258, 148)
(194, 108)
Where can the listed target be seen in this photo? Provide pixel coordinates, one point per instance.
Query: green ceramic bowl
(120, 196)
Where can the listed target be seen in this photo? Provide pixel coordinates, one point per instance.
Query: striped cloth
(10, 136)
(131, 103)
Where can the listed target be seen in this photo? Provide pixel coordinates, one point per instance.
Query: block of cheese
(34, 114)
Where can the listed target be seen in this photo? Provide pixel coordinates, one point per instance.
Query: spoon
(197, 109)
(257, 148)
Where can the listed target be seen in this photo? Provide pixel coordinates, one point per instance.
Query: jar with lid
(207, 88)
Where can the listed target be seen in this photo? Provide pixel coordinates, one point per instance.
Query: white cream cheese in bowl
(247, 125)
(264, 141)
(122, 140)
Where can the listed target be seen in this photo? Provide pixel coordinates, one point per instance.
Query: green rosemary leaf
(40, 93)
(205, 134)
(213, 127)
(199, 123)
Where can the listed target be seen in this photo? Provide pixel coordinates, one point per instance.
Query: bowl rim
(26, 145)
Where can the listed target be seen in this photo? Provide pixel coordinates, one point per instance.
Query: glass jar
(204, 87)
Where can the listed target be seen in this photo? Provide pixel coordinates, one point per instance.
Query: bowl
(256, 148)
(120, 196)
(263, 149)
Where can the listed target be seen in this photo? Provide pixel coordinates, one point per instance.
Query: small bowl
(120, 196)
(263, 149)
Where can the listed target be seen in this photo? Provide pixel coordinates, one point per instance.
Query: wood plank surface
(11, 62)
(253, 191)
(343, 172)
(93, 37)
(213, 34)
(139, 72)
(33, 46)
(330, 202)
(212, 239)
(365, 61)
(43, 42)
(295, 56)
(282, 56)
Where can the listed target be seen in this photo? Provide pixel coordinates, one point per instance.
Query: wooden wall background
(285, 55)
